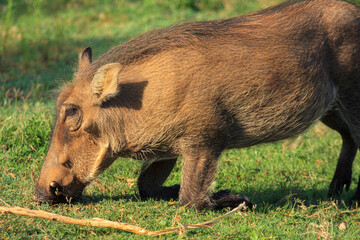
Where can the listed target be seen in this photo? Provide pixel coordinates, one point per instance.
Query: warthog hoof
(223, 199)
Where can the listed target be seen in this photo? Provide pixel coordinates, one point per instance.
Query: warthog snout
(58, 186)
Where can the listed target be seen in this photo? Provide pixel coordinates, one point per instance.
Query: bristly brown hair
(196, 89)
(184, 35)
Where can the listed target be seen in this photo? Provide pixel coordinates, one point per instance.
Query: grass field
(39, 44)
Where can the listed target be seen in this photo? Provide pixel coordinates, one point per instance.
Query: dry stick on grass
(98, 222)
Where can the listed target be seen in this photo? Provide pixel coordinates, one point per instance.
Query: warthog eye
(67, 164)
(71, 111)
(72, 117)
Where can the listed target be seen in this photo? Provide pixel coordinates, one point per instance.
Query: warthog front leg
(152, 177)
(197, 175)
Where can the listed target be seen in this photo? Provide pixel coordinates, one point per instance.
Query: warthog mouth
(60, 198)
(59, 194)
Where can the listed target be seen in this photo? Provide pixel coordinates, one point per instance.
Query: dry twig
(98, 222)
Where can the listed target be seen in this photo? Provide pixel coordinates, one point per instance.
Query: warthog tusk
(57, 192)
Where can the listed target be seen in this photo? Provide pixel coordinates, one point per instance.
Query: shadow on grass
(265, 200)
(270, 199)
(93, 199)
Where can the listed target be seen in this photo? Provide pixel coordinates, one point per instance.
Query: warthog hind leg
(349, 98)
(343, 172)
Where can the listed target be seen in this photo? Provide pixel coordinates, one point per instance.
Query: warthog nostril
(53, 184)
(55, 188)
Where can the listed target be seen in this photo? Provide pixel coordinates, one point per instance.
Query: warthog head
(78, 151)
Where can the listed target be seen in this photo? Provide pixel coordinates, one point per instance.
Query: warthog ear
(85, 58)
(105, 82)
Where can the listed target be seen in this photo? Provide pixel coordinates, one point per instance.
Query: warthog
(196, 89)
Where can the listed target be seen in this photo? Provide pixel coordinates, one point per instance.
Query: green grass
(39, 43)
